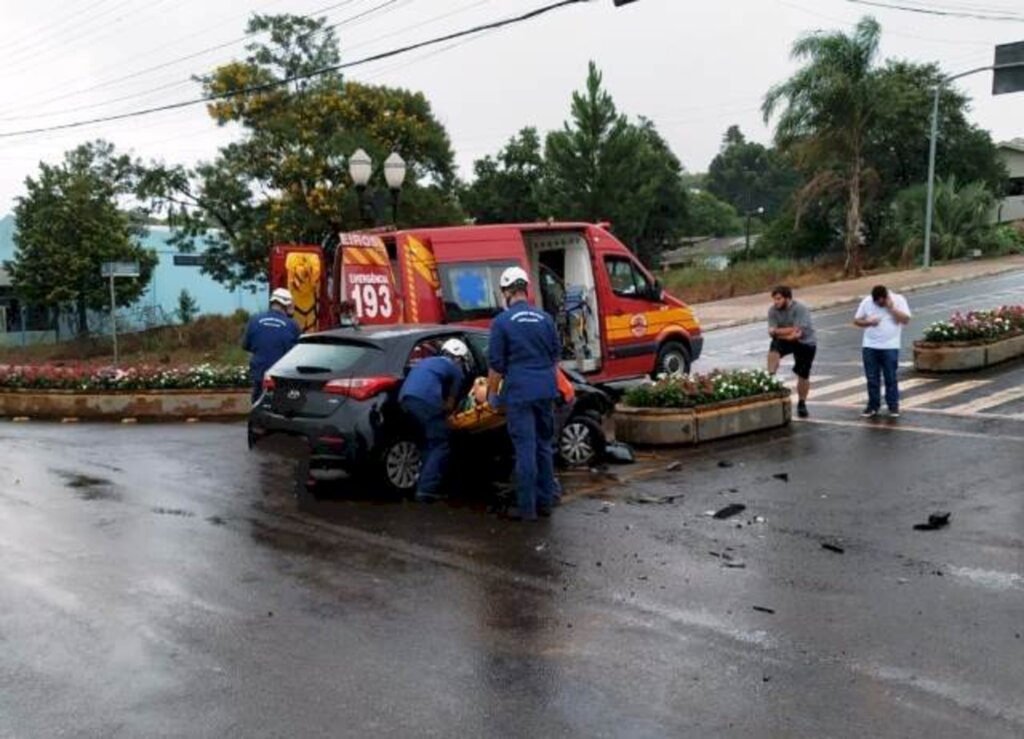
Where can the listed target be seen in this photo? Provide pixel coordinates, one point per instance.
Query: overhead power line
(996, 16)
(309, 75)
(178, 60)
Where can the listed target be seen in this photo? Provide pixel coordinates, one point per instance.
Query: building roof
(1013, 145)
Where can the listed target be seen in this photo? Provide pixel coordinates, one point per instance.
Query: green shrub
(688, 391)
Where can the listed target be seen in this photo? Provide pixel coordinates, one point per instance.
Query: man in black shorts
(792, 332)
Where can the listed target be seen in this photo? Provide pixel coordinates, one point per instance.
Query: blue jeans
(436, 448)
(532, 429)
(882, 364)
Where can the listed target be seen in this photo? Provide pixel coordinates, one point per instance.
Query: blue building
(157, 306)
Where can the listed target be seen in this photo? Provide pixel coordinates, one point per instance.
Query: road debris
(653, 499)
(729, 511)
(763, 609)
(938, 520)
(735, 564)
(832, 547)
(724, 463)
(674, 466)
(784, 476)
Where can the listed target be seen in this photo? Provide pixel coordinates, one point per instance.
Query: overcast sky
(692, 67)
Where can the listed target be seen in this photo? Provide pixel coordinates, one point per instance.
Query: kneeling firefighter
(523, 354)
(428, 394)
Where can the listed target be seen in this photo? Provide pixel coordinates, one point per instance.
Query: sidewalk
(753, 308)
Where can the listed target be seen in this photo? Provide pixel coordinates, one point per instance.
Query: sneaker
(801, 409)
(894, 413)
(869, 412)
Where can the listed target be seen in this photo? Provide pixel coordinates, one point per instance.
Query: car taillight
(268, 383)
(360, 388)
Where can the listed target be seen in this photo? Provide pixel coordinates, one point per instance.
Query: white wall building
(1011, 207)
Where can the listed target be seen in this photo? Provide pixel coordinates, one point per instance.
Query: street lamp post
(394, 175)
(929, 211)
(756, 211)
(360, 169)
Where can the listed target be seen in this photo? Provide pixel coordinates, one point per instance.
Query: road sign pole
(113, 317)
(930, 207)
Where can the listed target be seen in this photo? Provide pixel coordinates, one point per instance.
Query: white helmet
(455, 348)
(511, 276)
(282, 296)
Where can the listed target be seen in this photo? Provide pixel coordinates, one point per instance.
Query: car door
(630, 301)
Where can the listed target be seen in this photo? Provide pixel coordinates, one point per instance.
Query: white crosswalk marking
(941, 393)
(836, 387)
(862, 394)
(989, 401)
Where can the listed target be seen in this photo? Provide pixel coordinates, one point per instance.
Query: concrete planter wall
(117, 405)
(677, 426)
(960, 357)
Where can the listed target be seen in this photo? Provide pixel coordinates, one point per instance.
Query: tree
(602, 167)
(749, 176)
(710, 216)
(188, 308)
(285, 179)
(897, 144)
(829, 109)
(69, 222)
(507, 187)
(961, 218)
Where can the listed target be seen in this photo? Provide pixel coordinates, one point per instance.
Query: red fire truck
(615, 319)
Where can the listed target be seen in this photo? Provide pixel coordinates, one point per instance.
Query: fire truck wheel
(673, 359)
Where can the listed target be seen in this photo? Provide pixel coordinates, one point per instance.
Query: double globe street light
(360, 169)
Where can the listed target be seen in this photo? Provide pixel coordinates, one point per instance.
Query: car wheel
(581, 442)
(673, 359)
(400, 465)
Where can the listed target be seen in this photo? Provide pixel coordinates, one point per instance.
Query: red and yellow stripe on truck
(654, 325)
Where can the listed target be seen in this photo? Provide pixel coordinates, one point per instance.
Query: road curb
(838, 302)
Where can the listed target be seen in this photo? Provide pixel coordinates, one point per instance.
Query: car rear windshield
(333, 357)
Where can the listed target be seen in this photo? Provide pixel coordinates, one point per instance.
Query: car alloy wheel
(576, 443)
(402, 465)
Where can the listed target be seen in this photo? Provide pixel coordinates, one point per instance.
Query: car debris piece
(653, 499)
(619, 452)
(784, 476)
(734, 564)
(673, 466)
(832, 547)
(724, 463)
(936, 521)
(763, 609)
(729, 511)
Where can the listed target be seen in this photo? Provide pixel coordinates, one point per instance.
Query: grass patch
(701, 285)
(208, 339)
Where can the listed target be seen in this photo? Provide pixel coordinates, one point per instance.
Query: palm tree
(962, 214)
(829, 108)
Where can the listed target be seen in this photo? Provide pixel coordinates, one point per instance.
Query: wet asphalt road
(161, 581)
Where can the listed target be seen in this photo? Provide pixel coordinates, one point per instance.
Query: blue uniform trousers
(531, 426)
(436, 449)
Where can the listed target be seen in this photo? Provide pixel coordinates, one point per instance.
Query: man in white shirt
(882, 315)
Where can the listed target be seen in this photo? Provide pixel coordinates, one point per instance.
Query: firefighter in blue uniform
(522, 356)
(428, 395)
(268, 336)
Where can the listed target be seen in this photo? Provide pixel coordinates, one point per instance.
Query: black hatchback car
(334, 396)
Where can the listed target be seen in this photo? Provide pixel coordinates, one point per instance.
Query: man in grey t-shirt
(792, 332)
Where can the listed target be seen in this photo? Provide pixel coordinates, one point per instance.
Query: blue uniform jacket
(524, 347)
(433, 380)
(269, 336)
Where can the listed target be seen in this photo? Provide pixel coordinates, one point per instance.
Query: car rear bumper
(270, 433)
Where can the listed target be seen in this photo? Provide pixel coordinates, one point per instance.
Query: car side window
(478, 344)
(626, 280)
(423, 350)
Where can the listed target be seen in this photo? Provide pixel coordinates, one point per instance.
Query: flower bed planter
(961, 356)
(94, 405)
(702, 423)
